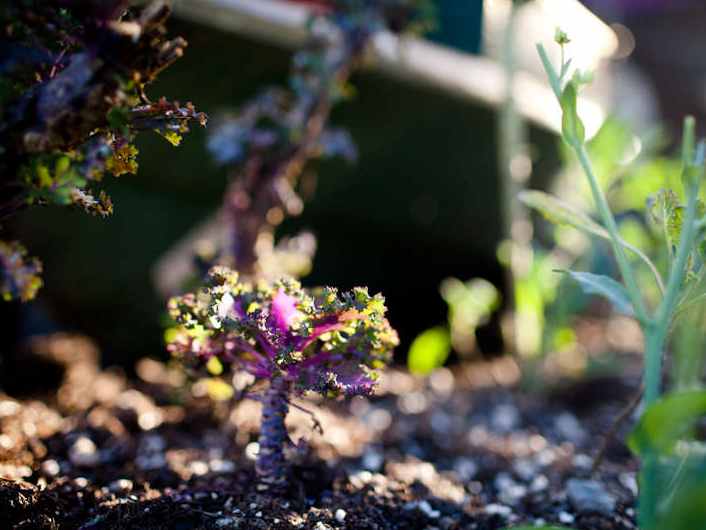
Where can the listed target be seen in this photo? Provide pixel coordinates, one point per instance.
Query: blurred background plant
(72, 100)
(470, 305)
(269, 145)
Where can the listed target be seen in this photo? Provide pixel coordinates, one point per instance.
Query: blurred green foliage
(470, 305)
(429, 351)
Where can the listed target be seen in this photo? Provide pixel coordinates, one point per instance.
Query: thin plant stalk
(511, 144)
(608, 219)
(656, 333)
(271, 465)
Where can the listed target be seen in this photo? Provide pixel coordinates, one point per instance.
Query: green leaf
(665, 422)
(688, 510)
(429, 351)
(571, 125)
(554, 79)
(559, 212)
(604, 286)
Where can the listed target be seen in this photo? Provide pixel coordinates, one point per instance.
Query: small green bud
(560, 37)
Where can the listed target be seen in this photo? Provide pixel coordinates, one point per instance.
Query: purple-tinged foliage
(270, 141)
(72, 98)
(297, 340)
(19, 275)
(320, 340)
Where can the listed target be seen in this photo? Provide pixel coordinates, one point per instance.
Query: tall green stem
(655, 335)
(616, 241)
(656, 332)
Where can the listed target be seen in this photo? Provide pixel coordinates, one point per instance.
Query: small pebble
(340, 515)
(84, 453)
(498, 509)
(153, 443)
(505, 418)
(590, 496)
(539, 483)
(509, 491)
(475, 487)
(583, 461)
(197, 467)
(566, 518)
(121, 486)
(546, 457)
(442, 381)
(448, 523)
(413, 403)
(465, 468)
(426, 508)
(629, 482)
(50, 468)
(569, 427)
(372, 460)
(525, 469)
(252, 450)
(151, 462)
(441, 424)
(378, 419)
(221, 466)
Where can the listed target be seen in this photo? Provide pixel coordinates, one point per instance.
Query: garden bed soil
(86, 448)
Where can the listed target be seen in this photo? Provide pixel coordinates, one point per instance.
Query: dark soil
(460, 450)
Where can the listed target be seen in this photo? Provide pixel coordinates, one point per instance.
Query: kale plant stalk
(290, 340)
(271, 140)
(684, 224)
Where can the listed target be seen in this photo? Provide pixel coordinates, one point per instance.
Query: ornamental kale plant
(671, 478)
(72, 99)
(291, 340)
(269, 142)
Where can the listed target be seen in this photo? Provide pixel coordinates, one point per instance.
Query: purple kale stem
(271, 466)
